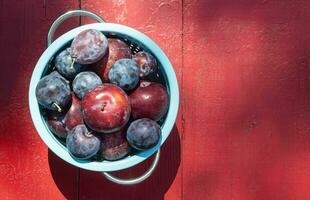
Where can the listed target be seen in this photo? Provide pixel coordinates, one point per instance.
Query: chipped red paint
(243, 125)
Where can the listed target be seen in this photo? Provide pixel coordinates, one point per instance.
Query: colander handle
(136, 180)
(63, 17)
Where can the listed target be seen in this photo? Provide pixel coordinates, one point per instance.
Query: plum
(146, 62)
(53, 92)
(106, 108)
(143, 134)
(149, 100)
(89, 46)
(84, 82)
(124, 73)
(81, 143)
(65, 66)
(55, 122)
(117, 50)
(74, 115)
(114, 146)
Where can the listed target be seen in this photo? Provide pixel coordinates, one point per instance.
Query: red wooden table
(243, 130)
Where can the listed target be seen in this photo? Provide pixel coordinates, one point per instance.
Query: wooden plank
(247, 100)
(27, 169)
(150, 17)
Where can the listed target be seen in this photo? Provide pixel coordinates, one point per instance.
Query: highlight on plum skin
(89, 46)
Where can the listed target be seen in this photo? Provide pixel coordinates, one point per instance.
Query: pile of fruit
(100, 98)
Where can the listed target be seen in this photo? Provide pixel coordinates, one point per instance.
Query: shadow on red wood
(59, 170)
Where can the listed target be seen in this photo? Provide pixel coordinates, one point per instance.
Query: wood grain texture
(26, 168)
(151, 18)
(246, 109)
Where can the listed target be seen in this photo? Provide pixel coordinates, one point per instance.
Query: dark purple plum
(84, 82)
(55, 122)
(124, 73)
(89, 46)
(114, 146)
(143, 134)
(63, 64)
(74, 115)
(146, 62)
(53, 92)
(81, 143)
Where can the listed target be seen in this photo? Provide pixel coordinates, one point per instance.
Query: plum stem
(88, 134)
(57, 106)
(73, 61)
(103, 106)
